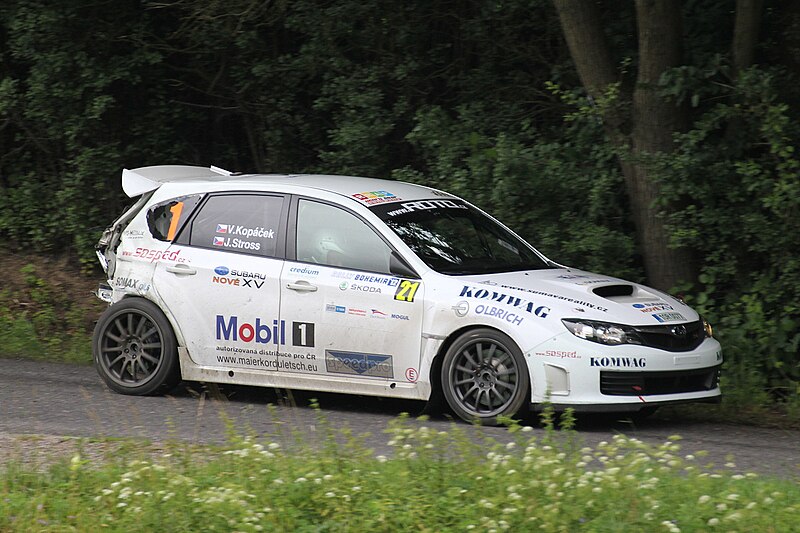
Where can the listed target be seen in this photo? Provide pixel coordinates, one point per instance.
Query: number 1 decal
(406, 290)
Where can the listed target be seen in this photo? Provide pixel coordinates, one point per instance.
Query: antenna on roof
(221, 171)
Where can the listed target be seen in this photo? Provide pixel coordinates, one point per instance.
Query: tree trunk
(745, 33)
(652, 121)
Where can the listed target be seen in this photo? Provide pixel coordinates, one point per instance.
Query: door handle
(302, 286)
(185, 270)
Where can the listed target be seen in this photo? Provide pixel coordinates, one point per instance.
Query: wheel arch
(436, 396)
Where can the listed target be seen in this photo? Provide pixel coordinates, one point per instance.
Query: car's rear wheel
(134, 348)
(484, 376)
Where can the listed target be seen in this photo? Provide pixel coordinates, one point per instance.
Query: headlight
(601, 332)
(707, 327)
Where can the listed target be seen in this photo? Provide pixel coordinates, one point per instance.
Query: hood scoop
(614, 291)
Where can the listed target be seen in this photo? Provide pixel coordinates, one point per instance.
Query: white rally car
(375, 287)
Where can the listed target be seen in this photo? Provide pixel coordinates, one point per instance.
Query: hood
(570, 293)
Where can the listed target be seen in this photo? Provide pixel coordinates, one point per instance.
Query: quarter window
(239, 223)
(328, 235)
(165, 219)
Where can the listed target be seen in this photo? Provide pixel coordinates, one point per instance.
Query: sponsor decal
(668, 317)
(461, 308)
(584, 279)
(398, 316)
(620, 362)
(412, 375)
(263, 332)
(277, 360)
(559, 354)
(304, 270)
(364, 288)
(343, 286)
(238, 278)
(359, 364)
(133, 234)
(131, 283)
(238, 244)
(356, 311)
(244, 231)
(508, 316)
(381, 280)
(540, 311)
(424, 205)
(558, 297)
(156, 255)
(376, 197)
(652, 307)
(342, 274)
(406, 291)
(331, 308)
(377, 313)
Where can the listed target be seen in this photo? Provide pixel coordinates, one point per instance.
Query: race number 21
(406, 290)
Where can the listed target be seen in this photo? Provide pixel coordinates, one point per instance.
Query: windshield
(455, 238)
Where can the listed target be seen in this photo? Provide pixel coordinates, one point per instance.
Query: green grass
(433, 481)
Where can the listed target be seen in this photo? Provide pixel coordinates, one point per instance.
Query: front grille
(675, 338)
(650, 383)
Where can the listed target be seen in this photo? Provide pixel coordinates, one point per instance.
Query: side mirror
(399, 267)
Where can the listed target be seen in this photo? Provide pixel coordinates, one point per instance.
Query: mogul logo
(230, 330)
(620, 362)
(502, 298)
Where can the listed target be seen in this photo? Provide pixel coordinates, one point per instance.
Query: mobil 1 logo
(303, 334)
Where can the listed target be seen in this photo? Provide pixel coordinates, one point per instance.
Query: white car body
(282, 322)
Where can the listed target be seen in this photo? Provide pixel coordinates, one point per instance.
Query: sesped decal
(156, 255)
(508, 316)
(406, 290)
(559, 354)
(484, 294)
(359, 364)
(622, 362)
(376, 197)
(668, 317)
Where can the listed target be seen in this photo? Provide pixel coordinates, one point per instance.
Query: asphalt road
(39, 398)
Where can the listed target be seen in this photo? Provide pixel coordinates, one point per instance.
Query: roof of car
(368, 191)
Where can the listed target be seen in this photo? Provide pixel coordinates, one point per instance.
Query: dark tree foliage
(479, 98)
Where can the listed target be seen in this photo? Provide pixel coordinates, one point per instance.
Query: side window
(246, 223)
(331, 236)
(165, 219)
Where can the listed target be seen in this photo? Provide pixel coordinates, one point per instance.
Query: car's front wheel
(134, 348)
(484, 376)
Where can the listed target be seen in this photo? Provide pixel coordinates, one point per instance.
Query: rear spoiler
(145, 179)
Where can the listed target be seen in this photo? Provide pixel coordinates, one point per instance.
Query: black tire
(134, 348)
(484, 376)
